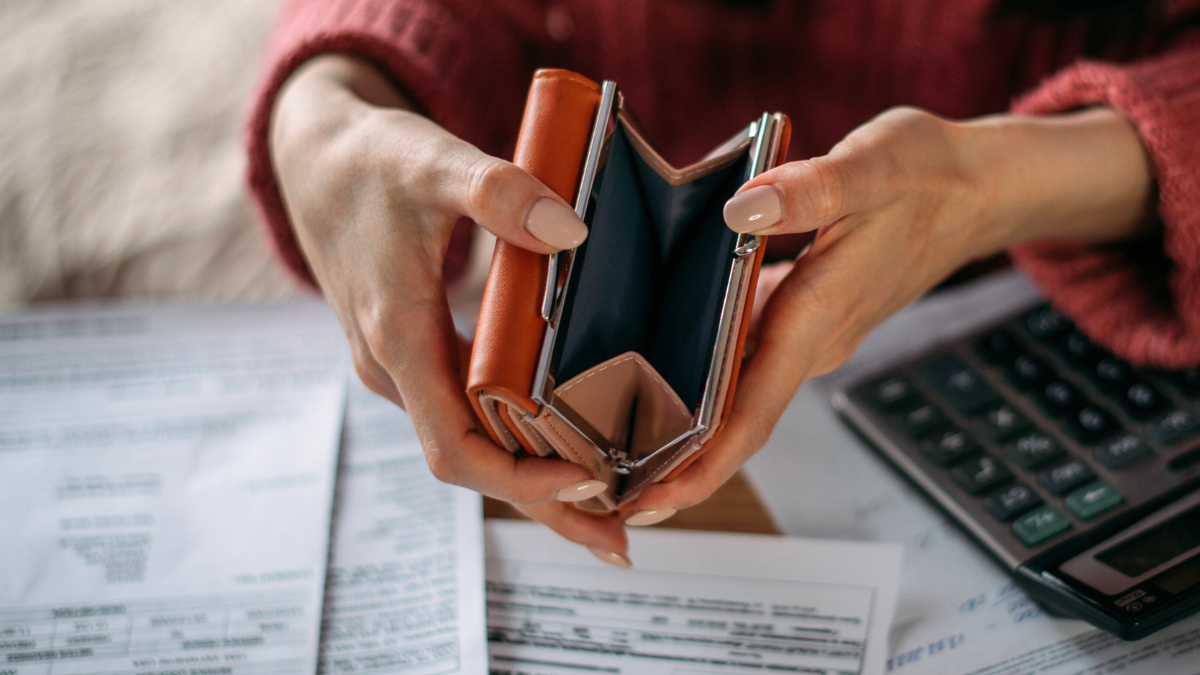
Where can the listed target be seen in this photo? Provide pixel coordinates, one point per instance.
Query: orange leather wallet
(621, 355)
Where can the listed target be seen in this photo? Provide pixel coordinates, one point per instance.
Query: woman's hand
(901, 203)
(373, 192)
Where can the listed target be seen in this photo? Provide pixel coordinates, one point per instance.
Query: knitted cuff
(1139, 299)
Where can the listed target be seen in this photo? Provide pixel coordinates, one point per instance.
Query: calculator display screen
(1180, 578)
(1169, 539)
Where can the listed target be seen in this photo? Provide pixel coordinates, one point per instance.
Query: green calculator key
(1040, 525)
(1092, 500)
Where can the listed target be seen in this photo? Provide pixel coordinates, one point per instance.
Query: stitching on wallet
(649, 371)
(536, 437)
(550, 423)
(503, 430)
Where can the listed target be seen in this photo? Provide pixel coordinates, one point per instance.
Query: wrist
(1081, 177)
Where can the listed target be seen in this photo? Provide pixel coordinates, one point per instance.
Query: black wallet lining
(651, 276)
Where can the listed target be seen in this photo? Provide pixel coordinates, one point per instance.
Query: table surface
(735, 507)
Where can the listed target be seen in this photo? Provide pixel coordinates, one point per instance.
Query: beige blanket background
(121, 163)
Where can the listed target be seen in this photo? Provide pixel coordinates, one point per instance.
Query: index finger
(419, 348)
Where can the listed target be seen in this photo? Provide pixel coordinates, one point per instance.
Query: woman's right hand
(373, 192)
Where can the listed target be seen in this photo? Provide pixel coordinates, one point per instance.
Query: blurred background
(121, 162)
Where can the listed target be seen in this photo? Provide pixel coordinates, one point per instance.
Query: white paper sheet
(696, 603)
(166, 480)
(405, 590)
(1004, 633)
(958, 611)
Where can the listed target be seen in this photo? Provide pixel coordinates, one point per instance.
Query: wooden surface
(733, 508)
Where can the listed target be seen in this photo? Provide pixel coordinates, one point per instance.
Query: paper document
(1003, 632)
(694, 604)
(405, 590)
(166, 480)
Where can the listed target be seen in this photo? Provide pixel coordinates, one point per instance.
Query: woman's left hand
(902, 202)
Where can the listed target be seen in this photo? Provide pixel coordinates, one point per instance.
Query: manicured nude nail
(555, 224)
(614, 559)
(754, 210)
(650, 517)
(581, 491)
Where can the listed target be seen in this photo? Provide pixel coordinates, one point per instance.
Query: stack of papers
(168, 477)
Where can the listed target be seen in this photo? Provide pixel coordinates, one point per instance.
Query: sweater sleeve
(463, 66)
(1139, 299)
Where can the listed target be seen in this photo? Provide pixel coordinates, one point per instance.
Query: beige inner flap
(627, 401)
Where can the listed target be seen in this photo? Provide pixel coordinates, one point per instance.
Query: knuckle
(489, 180)
(376, 326)
(905, 114)
(828, 201)
(368, 373)
(441, 466)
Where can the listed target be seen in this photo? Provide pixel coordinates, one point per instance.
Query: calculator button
(1066, 477)
(1046, 323)
(1141, 400)
(1027, 372)
(1090, 424)
(981, 474)
(892, 394)
(918, 422)
(1173, 427)
(1001, 423)
(949, 446)
(1123, 452)
(1040, 526)
(1034, 450)
(1059, 398)
(1092, 500)
(1078, 349)
(996, 348)
(1012, 502)
(1112, 373)
(957, 384)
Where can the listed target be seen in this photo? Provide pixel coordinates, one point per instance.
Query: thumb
(796, 197)
(516, 207)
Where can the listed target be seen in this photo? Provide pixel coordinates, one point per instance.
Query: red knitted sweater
(696, 70)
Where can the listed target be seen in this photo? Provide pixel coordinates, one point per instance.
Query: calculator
(1077, 472)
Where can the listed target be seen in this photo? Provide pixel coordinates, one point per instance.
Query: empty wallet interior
(642, 310)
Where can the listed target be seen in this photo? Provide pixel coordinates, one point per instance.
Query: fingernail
(581, 491)
(754, 210)
(650, 517)
(555, 224)
(614, 559)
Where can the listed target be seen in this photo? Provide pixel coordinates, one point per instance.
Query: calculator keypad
(1012, 502)
(1040, 526)
(1065, 477)
(1037, 432)
(980, 474)
(1092, 501)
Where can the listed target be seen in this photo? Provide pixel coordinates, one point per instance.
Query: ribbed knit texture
(1141, 301)
(696, 71)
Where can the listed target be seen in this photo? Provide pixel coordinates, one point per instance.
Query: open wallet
(621, 355)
